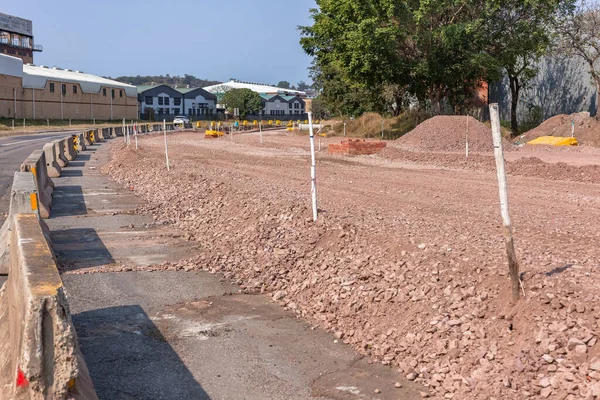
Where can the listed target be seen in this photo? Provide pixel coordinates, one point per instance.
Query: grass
(370, 125)
(33, 126)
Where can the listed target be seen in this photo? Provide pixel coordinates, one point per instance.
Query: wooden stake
(513, 265)
(467, 139)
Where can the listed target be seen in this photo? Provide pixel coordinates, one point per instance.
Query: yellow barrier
(554, 141)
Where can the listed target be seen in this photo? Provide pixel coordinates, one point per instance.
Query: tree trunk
(597, 80)
(514, 93)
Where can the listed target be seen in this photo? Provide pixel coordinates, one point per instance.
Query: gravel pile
(527, 166)
(448, 133)
(431, 311)
(587, 129)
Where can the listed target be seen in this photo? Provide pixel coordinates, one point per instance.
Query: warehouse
(38, 92)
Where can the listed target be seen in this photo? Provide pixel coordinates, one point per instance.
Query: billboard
(16, 25)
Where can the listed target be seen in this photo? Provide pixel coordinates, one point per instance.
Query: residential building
(158, 102)
(277, 102)
(16, 38)
(38, 92)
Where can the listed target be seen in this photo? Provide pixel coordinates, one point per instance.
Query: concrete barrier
(118, 131)
(86, 138)
(113, 133)
(69, 148)
(79, 142)
(40, 356)
(106, 133)
(52, 165)
(61, 159)
(82, 141)
(23, 200)
(36, 164)
(98, 135)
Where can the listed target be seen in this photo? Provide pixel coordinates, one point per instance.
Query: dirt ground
(406, 262)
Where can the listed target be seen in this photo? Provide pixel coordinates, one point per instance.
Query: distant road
(13, 151)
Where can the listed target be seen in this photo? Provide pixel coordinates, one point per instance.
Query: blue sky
(248, 40)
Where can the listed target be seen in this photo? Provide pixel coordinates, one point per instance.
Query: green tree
(429, 50)
(519, 34)
(245, 100)
(302, 86)
(284, 85)
(578, 35)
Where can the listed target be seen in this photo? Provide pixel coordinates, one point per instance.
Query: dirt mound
(587, 129)
(449, 133)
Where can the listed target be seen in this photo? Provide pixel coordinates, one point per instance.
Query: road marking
(23, 141)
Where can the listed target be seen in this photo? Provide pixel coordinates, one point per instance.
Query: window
(296, 105)
(160, 101)
(120, 93)
(176, 101)
(166, 101)
(112, 92)
(148, 100)
(166, 111)
(290, 105)
(189, 111)
(176, 111)
(74, 89)
(64, 89)
(52, 88)
(161, 110)
(104, 92)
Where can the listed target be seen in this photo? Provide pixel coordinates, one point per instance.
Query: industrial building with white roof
(37, 92)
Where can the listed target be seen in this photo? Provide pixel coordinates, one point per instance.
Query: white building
(255, 87)
(167, 102)
(277, 102)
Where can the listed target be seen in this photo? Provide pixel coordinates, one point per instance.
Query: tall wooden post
(513, 265)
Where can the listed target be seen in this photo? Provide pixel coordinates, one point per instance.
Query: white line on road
(22, 141)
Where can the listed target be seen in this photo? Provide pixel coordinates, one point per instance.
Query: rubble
(440, 312)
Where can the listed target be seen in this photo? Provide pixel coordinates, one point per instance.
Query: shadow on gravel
(71, 201)
(559, 270)
(80, 248)
(129, 358)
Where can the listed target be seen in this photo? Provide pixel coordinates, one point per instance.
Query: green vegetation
(369, 125)
(388, 56)
(245, 100)
(179, 81)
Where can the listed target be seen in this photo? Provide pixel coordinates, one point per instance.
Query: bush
(369, 125)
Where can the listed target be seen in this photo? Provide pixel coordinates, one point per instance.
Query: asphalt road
(13, 151)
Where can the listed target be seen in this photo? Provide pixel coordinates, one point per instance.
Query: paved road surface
(13, 151)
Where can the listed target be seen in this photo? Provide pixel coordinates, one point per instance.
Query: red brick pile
(356, 147)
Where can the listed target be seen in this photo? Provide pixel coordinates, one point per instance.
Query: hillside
(180, 81)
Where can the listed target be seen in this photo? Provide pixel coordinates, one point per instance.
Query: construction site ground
(151, 330)
(406, 263)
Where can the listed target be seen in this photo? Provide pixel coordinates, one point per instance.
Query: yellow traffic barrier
(199, 124)
(554, 141)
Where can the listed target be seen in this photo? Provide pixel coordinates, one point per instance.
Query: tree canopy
(180, 81)
(245, 100)
(381, 55)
